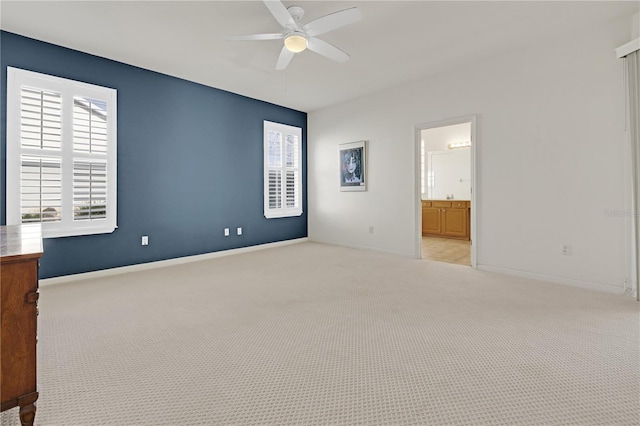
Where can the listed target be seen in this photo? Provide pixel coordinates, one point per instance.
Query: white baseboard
(164, 263)
(505, 271)
(355, 246)
(553, 279)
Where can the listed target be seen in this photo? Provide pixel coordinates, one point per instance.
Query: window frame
(282, 211)
(68, 226)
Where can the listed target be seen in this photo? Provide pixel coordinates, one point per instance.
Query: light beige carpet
(316, 334)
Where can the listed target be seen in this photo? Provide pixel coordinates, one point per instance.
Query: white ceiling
(396, 41)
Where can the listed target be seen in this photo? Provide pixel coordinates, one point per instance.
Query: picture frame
(353, 166)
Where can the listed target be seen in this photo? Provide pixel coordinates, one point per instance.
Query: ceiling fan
(298, 38)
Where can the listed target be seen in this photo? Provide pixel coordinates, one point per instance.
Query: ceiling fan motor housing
(296, 12)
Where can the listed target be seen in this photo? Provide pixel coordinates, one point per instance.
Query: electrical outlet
(371, 229)
(145, 240)
(239, 231)
(565, 249)
(226, 232)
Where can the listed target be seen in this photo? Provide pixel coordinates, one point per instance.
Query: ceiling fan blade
(285, 57)
(281, 13)
(325, 49)
(273, 36)
(332, 21)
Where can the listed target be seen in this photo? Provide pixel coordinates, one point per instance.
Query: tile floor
(447, 250)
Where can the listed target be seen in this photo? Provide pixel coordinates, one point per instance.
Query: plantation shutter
(291, 171)
(275, 168)
(283, 146)
(41, 187)
(61, 154)
(89, 125)
(89, 190)
(89, 165)
(40, 176)
(40, 119)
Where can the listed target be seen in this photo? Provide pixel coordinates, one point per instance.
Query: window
(282, 170)
(61, 154)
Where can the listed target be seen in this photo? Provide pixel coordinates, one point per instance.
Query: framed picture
(353, 166)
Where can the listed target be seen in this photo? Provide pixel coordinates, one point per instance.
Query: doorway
(445, 196)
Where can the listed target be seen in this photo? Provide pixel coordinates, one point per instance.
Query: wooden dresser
(446, 218)
(20, 251)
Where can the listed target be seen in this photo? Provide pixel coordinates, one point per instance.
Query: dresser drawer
(426, 203)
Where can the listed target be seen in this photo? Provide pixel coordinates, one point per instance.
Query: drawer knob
(33, 297)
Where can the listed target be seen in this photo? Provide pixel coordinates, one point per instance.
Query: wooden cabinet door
(454, 222)
(431, 221)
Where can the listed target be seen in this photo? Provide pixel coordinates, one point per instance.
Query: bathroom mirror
(448, 174)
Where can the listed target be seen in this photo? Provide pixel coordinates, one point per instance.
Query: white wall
(549, 152)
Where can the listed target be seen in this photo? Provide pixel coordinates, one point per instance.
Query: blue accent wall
(190, 163)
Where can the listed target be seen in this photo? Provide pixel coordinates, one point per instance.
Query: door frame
(473, 120)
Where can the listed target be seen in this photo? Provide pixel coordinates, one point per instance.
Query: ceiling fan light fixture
(298, 37)
(295, 42)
